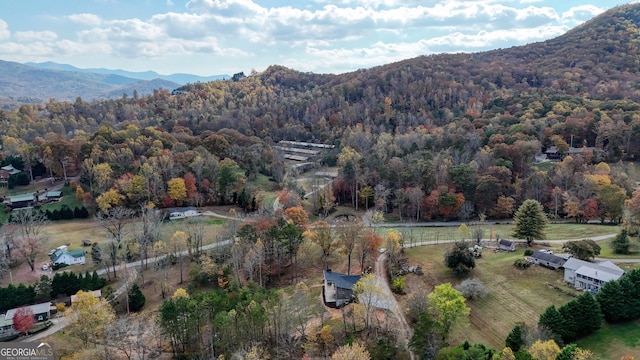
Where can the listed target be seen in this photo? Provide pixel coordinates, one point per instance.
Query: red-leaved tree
(23, 320)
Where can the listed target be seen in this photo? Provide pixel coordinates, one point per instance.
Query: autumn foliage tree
(23, 320)
(177, 190)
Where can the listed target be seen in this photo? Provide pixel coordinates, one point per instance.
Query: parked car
(86, 242)
(45, 267)
(57, 266)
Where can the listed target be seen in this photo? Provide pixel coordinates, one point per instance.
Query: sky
(210, 37)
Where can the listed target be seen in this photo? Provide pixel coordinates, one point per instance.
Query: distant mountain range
(38, 82)
(146, 75)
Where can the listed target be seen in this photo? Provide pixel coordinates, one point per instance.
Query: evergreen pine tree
(612, 302)
(530, 221)
(514, 339)
(552, 320)
(136, 298)
(588, 315)
(567, 352)
(621, 244)
(570, 324)
(630, 284)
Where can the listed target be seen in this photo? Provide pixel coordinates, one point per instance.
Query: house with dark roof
(547, 258)
(506, 245)
(584, 275)
(338, 288)
(63, 256)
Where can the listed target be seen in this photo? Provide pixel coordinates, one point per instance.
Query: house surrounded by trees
(338, 288)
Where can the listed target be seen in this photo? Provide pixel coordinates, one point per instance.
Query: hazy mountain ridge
(180, 78)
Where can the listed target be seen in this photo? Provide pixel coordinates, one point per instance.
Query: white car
(382, 250)
(45, 267)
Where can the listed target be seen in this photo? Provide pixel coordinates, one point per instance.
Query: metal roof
(546, 256)
(21, 197)
(604, 271)
(36, 309)
(342, 281)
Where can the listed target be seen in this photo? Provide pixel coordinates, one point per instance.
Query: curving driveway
(389, 302)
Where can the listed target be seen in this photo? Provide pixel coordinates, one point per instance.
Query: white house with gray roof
(584, 275)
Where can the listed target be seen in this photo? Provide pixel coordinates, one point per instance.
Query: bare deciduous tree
(29, 221)
(29, 248)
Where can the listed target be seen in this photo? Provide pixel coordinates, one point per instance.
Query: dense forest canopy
(457, 132)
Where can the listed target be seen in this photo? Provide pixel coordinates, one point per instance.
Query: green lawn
(614, 341)
(68, 198)
(514, 296)
(554, 232)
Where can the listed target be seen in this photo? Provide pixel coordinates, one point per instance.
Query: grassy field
(614, 341)
(72, 233)
(554, 232)
(514, 295)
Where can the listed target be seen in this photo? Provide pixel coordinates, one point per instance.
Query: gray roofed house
(584, 275)
(547, 259)
(338, 288)
(6, 328)
(41, 312)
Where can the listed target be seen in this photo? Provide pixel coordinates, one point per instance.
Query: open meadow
(564, 231)
(72, 233)
(514, 296)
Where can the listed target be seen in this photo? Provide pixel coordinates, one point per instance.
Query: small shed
(96, 294)
(506, 245)
(547, 259)
(54, 195)
(338, 288)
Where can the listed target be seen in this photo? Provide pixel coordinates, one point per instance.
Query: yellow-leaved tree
(546, 350)
(351, 352)
(89, 316)
(177, 190)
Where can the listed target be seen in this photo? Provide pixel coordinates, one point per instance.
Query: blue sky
(207, 37)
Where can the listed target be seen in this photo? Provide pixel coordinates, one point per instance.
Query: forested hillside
(442, 136)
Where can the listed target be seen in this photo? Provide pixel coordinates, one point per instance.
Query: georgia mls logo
(26, 351)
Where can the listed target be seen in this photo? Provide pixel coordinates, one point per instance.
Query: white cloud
(325, 35)
(85, 19)
(581, 13)
(35, 36)
(4, 30)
